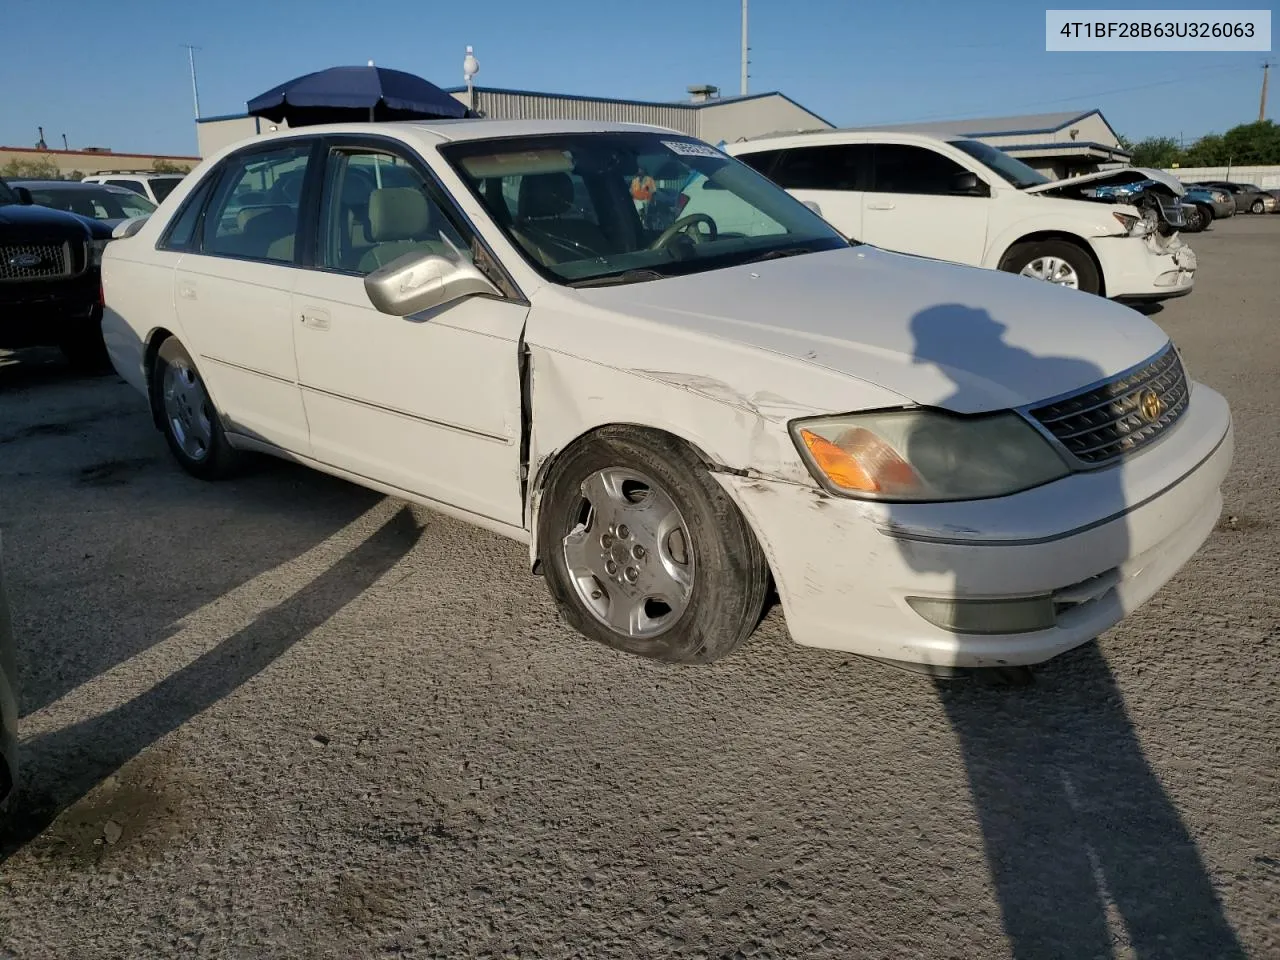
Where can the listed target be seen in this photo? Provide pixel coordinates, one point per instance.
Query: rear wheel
(645, 553)
(1059, 262)
(187, 416)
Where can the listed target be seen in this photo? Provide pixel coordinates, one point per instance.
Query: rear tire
(187, 417)
(1047, 259)
(645, 553)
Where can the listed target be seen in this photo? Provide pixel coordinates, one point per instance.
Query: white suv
(154, 186)
(963, 200)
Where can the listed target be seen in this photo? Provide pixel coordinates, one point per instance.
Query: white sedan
(935, 465)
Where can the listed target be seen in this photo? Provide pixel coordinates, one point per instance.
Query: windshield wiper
(779, 254)
(614, 279)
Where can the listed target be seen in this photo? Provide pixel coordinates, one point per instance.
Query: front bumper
(45, 313)
(1101, 543)
(1223, 209)
(1135, 267)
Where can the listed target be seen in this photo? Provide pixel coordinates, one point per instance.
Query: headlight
(926, 455)
(1133, 226)
(95, 251)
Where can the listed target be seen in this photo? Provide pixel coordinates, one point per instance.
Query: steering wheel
(682, 226)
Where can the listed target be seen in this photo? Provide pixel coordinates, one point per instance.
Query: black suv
(50, 282)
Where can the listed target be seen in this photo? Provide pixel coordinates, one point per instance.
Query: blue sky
(115, 74)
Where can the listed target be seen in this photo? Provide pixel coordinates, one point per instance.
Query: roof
(996, 126)
(862, 134)
(64, 184)
(455, 131)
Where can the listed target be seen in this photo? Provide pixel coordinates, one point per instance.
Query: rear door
(913, 206)
(831, 176)
(233, 292)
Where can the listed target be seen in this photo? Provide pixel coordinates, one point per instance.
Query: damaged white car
(962, 200)
(932, 464)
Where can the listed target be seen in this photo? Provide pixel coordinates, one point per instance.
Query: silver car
(8, 697)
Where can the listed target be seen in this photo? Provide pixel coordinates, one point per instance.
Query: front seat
(399, 223)
(544, 200)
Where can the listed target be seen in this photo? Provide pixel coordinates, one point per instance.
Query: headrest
(398, 213)
(545, 195)
(268, 221)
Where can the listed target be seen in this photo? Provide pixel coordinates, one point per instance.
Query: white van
(962, 200)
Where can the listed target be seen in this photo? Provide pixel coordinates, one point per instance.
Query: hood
(960, 338)
(1112, 178)
(20, 222)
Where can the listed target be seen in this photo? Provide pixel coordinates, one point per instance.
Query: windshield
(96, 203)
(163, 186)
(6, 193)
(596, 207)
(1015, 171)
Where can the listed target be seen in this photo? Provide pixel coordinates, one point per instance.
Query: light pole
(195, 89)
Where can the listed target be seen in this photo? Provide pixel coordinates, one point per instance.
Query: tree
(42, 169)
(1253, 143)
(168, 166)
(1208, 151)
(1155, 152)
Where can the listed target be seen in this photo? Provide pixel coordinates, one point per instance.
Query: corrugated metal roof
(994, 126)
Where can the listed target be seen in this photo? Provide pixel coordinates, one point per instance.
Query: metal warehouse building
(706, 115)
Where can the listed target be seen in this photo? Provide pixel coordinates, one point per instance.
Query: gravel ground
(286, 717)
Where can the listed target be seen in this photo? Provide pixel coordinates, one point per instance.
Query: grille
(1118, 418)
(33, 261)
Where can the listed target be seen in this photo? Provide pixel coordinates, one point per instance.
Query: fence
(1266, 177)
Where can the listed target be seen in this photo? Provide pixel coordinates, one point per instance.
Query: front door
(430, 403)
(912, 206)
(233, 294)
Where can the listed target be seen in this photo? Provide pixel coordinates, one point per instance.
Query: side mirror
(422, 281)
(24, 196)
(813, 206)
(969, 185)
(127, 228)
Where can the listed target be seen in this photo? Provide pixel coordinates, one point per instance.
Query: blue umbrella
(344, 94)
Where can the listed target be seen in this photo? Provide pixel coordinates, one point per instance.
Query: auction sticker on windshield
(686, 149)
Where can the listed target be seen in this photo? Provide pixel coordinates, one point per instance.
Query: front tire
(1195, 219)
(645, 553)
(187, 417)
(1059, 262)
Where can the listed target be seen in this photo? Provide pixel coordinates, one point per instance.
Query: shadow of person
(1075, 823)
(60, 768)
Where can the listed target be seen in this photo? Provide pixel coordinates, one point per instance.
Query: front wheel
(644, 552)
(187, 416)
(1194, 219)
(1059, 262)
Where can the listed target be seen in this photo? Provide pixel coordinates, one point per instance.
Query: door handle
(187, 291)
(880, 205)
(315, 319)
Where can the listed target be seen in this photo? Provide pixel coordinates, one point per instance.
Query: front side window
(624, 206)
(254, 214)
(901, 168)
(1009, 168)
(6, 193)
(377, 208)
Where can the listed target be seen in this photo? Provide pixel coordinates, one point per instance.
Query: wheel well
(158, 336)
(540, 471)
(1071, 238)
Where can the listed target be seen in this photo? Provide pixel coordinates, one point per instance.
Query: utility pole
(745, 48)
(1262, 102)
(195, 89)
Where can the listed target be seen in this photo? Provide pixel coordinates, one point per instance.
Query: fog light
(1023, 615)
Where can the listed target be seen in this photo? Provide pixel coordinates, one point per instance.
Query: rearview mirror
(422, 281)
(127, 228)
(24, 196)
(969, 185)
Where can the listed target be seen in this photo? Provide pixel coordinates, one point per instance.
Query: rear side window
(254, 212)
(134, 185)
(761, 162)
(182, 229)
(900, 168)
(163, 186)
(836, 166)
